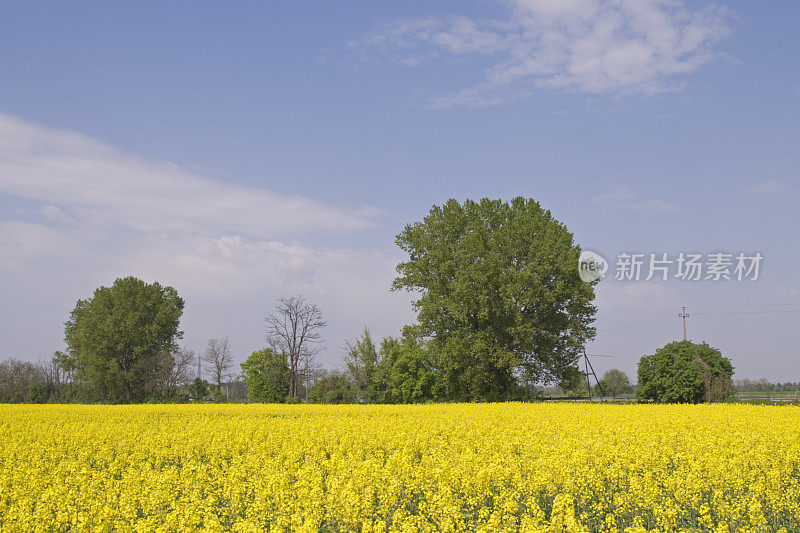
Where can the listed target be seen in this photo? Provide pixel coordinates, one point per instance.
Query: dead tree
(218, 360)
(177, 369)
(294, 329)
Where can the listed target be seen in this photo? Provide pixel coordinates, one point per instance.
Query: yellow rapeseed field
(478, 467)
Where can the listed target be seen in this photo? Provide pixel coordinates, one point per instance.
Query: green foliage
(333, 388)
(573, 382)
(614, 383)
(116, 339)
(401, 371)
(500, 297)
(199, 389)
(21, 381)
(361, 360)
(684, 372)
(407, 370)
(217, 396)
(40, 392)
(266, 376)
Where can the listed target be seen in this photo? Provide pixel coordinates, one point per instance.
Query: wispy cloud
(78, 177)
(764, 187)
(652, 205)
(615, 194)
(86, 213)
(591, 46)
(621, 196)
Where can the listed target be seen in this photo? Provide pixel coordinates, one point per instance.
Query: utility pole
(684, 316)
(586, 368)
(587, 365)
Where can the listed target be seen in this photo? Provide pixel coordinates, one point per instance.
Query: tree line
(764, 385)
(501, 311)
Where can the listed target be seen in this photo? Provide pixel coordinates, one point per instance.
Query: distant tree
(266, 376)
(407, 371)
(218, 361)
(500, 295)
(334, 387)
(764, 386)
(614, 383)
(295, 329)
(40, 392)
(684, 372)
(117, 337)
(68, 384)
(23, 381)
(198, 389)
(361, 360)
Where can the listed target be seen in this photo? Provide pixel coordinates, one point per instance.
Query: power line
(633, 324)
(668, 310)
(656, 316)
(621, 356)
(781, 311)
(793, 304)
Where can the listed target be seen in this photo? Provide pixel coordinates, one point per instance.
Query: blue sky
(242, 152)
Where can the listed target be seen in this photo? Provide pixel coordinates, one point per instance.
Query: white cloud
(100, 213)
(591, 46)
(81, 177)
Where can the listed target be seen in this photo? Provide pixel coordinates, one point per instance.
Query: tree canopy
(119, 339)
(333, 387)
(407, 369)
(266, 376)
(361, 361)
(499, 295)
(685, 372)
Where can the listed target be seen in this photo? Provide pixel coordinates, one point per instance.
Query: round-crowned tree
(117, 339)
(266, 376)
(685, 372)
(500, 297)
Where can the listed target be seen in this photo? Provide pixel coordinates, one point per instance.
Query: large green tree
(266, 376)
(119, 338)
(685, 372)
(500, 296)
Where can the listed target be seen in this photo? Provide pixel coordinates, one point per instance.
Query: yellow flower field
(481, 467)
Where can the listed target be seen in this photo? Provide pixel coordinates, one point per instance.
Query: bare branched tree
(218, 360)
(16, 379)
(177, 368)
(294, 329)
